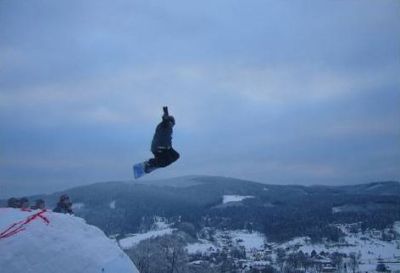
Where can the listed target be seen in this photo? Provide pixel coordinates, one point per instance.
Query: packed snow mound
(47, 242)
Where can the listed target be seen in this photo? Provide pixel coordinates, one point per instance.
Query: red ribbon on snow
(20, 226)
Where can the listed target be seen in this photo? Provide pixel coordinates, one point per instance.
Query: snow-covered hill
(47, 242)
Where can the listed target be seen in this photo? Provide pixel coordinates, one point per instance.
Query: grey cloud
(273, 91)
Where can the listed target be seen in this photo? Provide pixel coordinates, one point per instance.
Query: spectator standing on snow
(64, 205)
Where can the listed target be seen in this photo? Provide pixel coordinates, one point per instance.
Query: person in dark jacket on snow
(39, 204)
(13, 203)
(64, 205)
(161, 146)
(24, 203)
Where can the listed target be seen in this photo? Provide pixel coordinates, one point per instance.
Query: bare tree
(337, 261)
(174, 253)
(142, 254)
(280, 258)
(353, 262)
(163, 254)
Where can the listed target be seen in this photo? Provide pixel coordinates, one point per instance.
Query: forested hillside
(280, 212)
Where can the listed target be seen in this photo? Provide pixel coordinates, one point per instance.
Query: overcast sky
(282, 92)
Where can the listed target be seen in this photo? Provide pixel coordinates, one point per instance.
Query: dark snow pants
(161, 159)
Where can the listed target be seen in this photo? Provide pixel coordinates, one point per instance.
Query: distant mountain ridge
(279, 211)
(381, 187)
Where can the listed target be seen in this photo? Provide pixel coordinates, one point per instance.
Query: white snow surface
(368, 245)
(370, 248)
(396, 227)
(160, 228)
(203, 246)
(337, 210)
(235, 198)
(160, 223)
(66, 245)
(251, 241)
(133, 240)
(77, 206)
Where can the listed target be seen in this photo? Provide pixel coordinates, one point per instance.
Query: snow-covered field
(160, 228)
(77, 206)
(371, 249)
(396, 227)
(259, 251)
(56, 243)
(235, 198)
(237, 238)
(134, 239)
(203, 246)
(250, 241)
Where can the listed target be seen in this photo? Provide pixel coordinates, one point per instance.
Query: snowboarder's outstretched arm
(162, 138)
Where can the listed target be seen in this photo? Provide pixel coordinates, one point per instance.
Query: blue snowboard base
(138, 170)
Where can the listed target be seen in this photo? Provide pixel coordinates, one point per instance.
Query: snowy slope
(160, 228)
(66, 244)
(135, 239)
(234, 198)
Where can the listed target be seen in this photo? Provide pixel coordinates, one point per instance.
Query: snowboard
(138, 170)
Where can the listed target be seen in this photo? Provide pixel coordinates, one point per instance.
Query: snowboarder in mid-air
(161, 147)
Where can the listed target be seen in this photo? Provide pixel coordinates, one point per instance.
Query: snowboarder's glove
(166, 114)
(165, 110)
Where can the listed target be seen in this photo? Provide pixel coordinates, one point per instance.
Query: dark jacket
(39, 204)
(13, 203)
(63, 208)
(162, 138)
